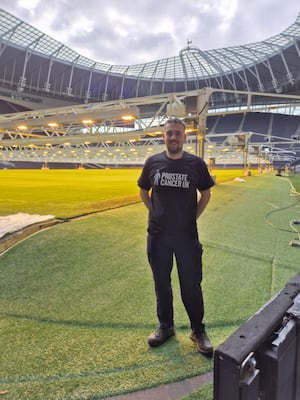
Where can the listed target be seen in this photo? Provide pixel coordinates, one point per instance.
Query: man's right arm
(145, 196)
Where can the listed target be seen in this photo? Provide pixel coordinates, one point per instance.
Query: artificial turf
(77, 300)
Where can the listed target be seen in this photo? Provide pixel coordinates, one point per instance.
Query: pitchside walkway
(171, 391)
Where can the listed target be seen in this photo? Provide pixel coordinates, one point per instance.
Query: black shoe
(160, 336)
(203, 343)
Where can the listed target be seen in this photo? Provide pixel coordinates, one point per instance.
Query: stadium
(76, 293)
(241, 103)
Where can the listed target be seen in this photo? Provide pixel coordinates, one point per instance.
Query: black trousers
(161, 249)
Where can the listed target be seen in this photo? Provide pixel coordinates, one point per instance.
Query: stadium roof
(31, 61)
(189, 64)
(40, 73)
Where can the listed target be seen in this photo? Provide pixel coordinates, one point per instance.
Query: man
(175, 188)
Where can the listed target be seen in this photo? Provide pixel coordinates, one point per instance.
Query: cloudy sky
(136, 31)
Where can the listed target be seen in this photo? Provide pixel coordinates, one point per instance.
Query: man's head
(174, 137)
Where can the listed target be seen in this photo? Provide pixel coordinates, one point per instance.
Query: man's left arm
(203, 201)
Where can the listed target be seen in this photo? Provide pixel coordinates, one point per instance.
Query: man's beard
(174, 150)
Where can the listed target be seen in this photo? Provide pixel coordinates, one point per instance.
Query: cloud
(129, 32)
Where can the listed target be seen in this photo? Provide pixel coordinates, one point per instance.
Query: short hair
(175, 120)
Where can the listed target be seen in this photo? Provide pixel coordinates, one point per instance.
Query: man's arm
(202, 202)
(145, 196)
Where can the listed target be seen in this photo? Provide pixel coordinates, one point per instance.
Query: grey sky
(136, 31)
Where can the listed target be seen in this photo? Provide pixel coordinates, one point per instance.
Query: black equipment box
(261, 359)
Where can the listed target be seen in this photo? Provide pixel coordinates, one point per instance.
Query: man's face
(174, 137)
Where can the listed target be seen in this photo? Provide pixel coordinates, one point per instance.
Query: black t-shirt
(174, 185)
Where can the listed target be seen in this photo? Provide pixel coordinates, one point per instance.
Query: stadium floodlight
(128, 117)
(22, 127)
(66, 115)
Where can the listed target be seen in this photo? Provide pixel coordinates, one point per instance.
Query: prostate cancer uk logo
(172, 179)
